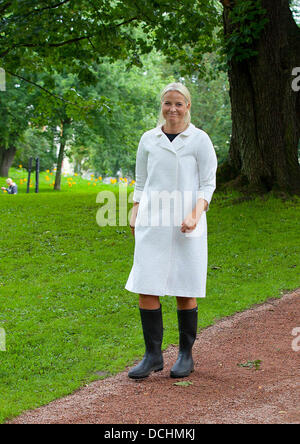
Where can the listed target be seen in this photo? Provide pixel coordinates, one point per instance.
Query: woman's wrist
(134, 214)
(200, 207)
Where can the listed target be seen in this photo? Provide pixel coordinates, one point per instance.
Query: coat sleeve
(140, 171)
(207, 167)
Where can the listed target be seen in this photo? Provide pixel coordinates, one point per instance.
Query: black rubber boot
(187, 325)
(153, 334)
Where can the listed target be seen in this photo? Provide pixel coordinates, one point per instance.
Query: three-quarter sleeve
(140, 171)
(207, 166)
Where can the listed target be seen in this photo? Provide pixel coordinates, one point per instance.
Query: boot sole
(174, 375)
(146, 376)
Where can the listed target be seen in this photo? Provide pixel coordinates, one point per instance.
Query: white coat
(170, 177)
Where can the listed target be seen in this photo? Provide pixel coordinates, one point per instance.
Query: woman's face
(174, 107)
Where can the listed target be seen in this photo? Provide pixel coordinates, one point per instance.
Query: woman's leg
(186, 303)
(187, 314)
(148, 302)
(152, 324)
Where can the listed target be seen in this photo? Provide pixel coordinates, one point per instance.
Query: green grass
(67, 317)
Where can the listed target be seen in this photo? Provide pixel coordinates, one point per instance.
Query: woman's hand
(133, 216)
(189, 224)
(191, 220)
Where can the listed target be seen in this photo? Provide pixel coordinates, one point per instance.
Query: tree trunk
(59, 165)
(62, 145)
(265, 109)
(6, 160)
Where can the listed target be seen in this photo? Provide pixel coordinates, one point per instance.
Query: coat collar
(178, 142)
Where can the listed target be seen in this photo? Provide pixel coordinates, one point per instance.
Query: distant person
(12, 187)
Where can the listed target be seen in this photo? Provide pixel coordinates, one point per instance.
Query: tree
(15, 113)
(134, 95)
(61, 117)
(35, 143)
(260, 41)
(58, 36)
(73, 33)
(110, 143)
(261, 45)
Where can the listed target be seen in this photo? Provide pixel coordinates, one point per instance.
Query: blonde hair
(182, 89)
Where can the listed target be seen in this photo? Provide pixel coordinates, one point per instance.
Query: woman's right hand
(133, 216)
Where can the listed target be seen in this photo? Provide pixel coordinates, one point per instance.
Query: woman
(12, 187)
(175, 180)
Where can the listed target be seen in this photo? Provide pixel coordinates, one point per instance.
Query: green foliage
(211, 110)
(134, 97)
(247, 20)
(14, 112)
(295, 8)
(35, 144)
(251, 364)
(66, 102)
(80, 32)
(110, 143)
(103, 132)
(71, 30)
(186, 32)
(183, 383)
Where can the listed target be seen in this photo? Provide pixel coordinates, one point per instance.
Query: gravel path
(220, 390)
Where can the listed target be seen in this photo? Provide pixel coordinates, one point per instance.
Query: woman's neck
(174, 129)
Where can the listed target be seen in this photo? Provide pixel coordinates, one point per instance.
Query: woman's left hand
(189, 224)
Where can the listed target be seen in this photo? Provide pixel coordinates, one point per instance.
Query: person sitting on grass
(12, 187)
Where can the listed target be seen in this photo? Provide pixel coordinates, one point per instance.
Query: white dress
(170, 177)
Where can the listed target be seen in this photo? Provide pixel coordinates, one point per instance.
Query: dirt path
(221, 391)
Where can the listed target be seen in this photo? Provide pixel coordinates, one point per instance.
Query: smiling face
(174, 108)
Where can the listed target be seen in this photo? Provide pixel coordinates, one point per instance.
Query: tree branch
(45, 90)
(67, 42)
(36, 11)
(77, 39)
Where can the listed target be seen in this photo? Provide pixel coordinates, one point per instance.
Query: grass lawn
(67, 317)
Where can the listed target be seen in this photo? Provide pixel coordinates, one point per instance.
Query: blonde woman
(175, 180)
(12, 187)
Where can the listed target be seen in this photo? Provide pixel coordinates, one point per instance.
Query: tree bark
(60, 158)
(265, 109)
(6, 160)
